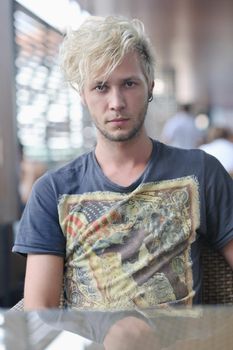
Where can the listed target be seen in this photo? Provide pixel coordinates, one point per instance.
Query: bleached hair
(100, 44)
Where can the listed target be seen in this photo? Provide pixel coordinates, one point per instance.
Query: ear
(151, 87)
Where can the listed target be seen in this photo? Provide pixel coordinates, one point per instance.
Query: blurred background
(42, 122)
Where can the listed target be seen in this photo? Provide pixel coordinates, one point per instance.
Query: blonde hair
(101, 43)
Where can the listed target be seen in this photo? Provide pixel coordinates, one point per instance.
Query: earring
(150, 98)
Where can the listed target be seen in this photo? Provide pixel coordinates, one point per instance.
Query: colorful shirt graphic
(127, 250)
(130, 247)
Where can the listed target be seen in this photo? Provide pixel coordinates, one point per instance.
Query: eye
(101, 87)
(129, 83)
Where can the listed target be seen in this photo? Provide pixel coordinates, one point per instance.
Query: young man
(121, 227)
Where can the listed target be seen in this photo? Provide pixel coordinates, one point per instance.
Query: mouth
(118, 123)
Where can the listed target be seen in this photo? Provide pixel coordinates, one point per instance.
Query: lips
(118, 122)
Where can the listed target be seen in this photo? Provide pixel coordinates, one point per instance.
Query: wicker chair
(217, 278)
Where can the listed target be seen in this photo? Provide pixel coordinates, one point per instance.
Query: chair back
(217, 278)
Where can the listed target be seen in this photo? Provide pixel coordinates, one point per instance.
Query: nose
(116, 100)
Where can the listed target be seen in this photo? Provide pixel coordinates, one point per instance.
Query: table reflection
(176, 328)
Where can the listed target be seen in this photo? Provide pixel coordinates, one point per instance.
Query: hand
(131, 333)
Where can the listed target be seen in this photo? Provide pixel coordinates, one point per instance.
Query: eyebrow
(131, 77)
(99, 82)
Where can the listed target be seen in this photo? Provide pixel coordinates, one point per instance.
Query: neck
(123, 162)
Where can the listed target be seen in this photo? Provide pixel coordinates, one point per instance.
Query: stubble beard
(127, 136)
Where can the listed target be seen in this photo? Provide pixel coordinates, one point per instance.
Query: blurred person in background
(219, 143)
(180, 130)
(120, 228)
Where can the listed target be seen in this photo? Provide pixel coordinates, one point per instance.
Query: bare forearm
(227, 252)
(43, 281)
(131, 333)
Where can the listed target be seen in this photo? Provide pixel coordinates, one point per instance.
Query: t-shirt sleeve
(219, 203)
(39, 230)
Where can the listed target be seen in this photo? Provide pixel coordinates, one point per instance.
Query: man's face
(118, 106)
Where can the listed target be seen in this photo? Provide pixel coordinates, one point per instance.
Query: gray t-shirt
(135, 246)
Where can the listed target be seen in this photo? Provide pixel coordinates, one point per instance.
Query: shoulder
(180, 153)
(62, 179)
(77, 165)
(182, 162)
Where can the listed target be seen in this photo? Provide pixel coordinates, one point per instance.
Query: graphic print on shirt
(127, 250)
